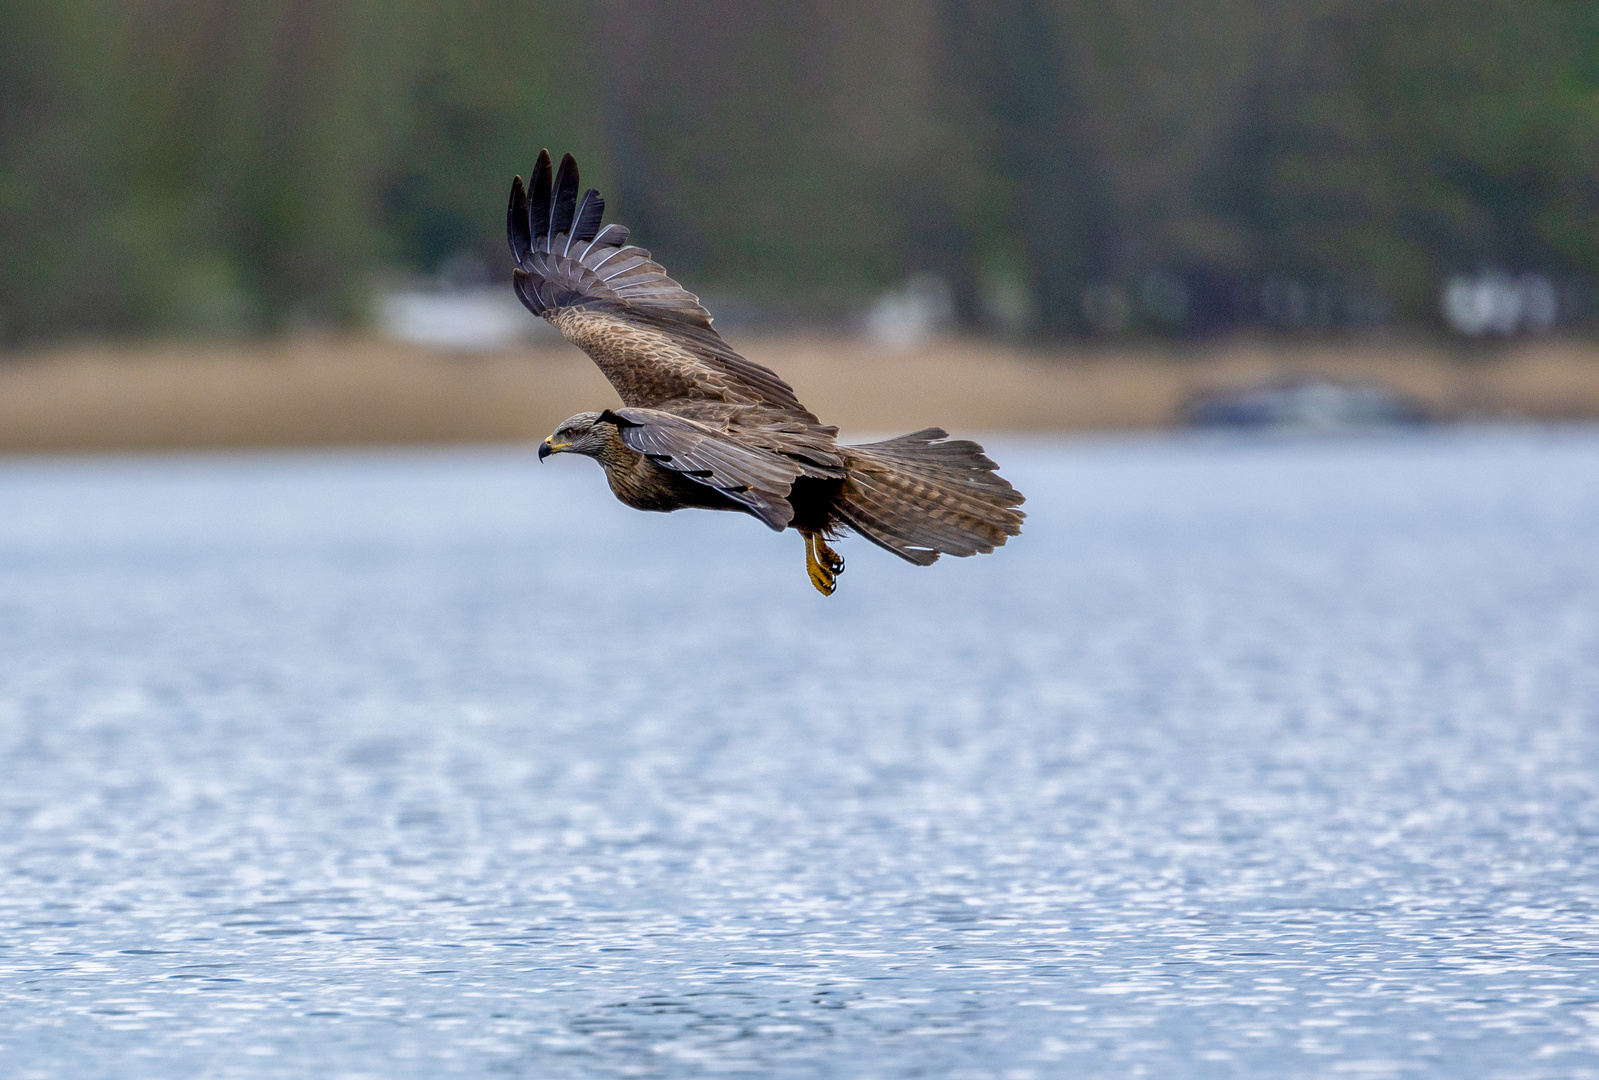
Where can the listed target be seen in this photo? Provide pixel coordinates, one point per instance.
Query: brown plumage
(701, 426)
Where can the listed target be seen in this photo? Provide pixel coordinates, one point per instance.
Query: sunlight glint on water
(1247, 759)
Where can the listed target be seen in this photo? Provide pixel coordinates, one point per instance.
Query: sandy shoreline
(358, 390)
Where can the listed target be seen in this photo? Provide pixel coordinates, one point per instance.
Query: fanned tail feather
(921, 497)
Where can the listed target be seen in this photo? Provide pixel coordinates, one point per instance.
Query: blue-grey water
(1249, 758)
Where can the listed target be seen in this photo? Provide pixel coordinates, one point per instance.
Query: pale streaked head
(580, 434)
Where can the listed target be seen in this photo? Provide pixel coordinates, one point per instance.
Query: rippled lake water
(1267, 759)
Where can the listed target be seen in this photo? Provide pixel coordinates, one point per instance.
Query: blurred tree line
(250, 165)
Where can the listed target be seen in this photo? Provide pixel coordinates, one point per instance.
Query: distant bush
(244, 166)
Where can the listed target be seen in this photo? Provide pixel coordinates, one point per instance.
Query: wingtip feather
(539, 199)
(516, 223)
(586, 220)
(563, 202)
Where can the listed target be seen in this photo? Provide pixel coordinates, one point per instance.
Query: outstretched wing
(648, 334)
(749, 475)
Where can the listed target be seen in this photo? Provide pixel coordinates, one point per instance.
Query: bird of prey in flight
(701, 426)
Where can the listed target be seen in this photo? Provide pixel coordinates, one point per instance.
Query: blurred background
(433, 763)
(266, 221)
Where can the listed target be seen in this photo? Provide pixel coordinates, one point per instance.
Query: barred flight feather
(920, 497)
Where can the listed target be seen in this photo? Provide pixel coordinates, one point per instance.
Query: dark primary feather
(607, 270)
(517, 227)
(539, 198)
(563, 201)
(586, 222)
(572, 270)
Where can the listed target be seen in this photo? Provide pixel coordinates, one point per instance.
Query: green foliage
(760, 148)
(1489, 126)
(1410, 139)
(486, 83)
(237, 166)
(233, 166)
(47, 85)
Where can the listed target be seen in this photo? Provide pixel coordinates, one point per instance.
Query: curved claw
(828, 557)
(823, 579)
(822, 564)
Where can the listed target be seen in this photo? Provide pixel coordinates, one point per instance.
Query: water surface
(1265, 759)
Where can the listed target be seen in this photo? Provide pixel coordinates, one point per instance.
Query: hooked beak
(545, 450)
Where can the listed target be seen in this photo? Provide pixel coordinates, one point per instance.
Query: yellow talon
(828, 557)
(824, 571)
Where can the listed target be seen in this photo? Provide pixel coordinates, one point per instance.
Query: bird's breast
(644, 485)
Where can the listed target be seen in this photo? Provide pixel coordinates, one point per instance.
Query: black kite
(700, 426)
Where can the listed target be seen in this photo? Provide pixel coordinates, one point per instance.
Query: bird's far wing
(750, 476)
(649, 335)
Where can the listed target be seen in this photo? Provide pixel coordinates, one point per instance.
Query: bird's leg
(823, 577)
